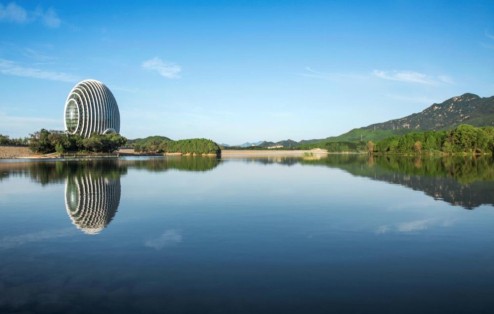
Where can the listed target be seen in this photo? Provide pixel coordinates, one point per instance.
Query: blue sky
(238, 71)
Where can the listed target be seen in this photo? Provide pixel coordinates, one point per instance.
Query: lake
(342, 234)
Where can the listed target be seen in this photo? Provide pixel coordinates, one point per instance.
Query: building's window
(72, 116)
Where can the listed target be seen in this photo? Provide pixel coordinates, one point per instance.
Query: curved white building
(91, 108)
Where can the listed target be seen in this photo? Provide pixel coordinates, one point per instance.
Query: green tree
(40, 142)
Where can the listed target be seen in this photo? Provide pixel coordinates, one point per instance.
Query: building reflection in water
(92, 201)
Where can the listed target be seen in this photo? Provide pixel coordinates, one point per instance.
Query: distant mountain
(267, 144)
(244, 145)
(280, 144)
(465, 109)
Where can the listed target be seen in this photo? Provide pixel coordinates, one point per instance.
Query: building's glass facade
(91, 108)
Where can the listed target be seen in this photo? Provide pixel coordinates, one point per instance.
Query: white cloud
(165, 69)
(13, 13)
(48, 17)
(168, 238)
(16, 14)
(412, 77)
(9, 67)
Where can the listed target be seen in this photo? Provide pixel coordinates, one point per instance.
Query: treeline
(160, 144)
(5, 140)
(463, 139)
(46, 142)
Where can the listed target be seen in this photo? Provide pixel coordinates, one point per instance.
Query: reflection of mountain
(92, 201)
(466, 182)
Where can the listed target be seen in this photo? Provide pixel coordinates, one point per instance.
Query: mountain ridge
(467, 108)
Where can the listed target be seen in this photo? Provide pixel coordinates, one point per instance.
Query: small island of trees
(161, 144)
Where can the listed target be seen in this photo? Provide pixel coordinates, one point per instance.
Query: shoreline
(272, 153)
(16, 152)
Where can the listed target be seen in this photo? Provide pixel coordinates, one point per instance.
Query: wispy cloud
(412, 77)
(8, 67)
(489, 35)
(35, 55)
(310, 72)
(165, 69)
(49, 17)
(169, 238)
(14, 13)
(488, 44)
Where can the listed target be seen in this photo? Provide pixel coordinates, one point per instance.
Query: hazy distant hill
(250, 144)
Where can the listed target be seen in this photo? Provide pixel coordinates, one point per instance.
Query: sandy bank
(272, 153)
(7, 152)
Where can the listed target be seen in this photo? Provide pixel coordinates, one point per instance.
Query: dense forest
(46, 142)
(464, 139)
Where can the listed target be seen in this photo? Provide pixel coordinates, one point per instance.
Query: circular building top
(91, 108)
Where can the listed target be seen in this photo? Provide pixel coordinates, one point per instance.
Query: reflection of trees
(173, 162)
(48, 172)
(463, 181)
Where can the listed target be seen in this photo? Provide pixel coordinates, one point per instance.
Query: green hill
(465, 109)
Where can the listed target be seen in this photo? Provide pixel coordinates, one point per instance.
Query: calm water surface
(346, 234)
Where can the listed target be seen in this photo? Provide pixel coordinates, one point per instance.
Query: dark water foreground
(345, 234)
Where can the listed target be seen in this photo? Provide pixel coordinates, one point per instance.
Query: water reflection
(56, 171)
(92, 201)
(461, 181)
(92, 187)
